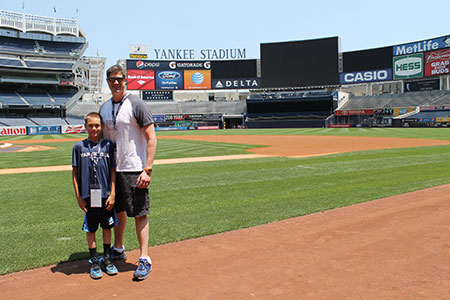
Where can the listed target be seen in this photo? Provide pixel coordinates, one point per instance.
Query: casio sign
(169, 75)
(366, 76)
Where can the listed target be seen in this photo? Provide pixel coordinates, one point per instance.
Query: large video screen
(364, 60)
(300, 63)
(221, 69)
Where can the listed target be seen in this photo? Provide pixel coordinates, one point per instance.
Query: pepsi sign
(146, 64)
(169, 80)
(365, 76)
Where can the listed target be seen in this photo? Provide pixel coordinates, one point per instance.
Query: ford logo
(169, 75)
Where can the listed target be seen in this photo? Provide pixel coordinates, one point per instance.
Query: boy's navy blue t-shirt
(85, 156)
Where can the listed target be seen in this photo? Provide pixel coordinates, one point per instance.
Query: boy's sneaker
(108, 266)
(142, 270)
(96, 270)
(116, 255)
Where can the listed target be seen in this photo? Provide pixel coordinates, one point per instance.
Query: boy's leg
(107, 264)
(106, 242)
(95, 272)
(90, 236)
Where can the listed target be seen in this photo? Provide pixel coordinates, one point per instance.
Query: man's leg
(119, 230)
(142, 234)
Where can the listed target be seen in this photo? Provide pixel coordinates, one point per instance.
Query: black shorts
(129, 198)
(98, 215)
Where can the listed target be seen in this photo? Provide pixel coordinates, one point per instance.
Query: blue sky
(112, 26)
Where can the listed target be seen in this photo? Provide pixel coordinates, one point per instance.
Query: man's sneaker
(108, 266)
(116, 255)
(143, 269)
(96, 270)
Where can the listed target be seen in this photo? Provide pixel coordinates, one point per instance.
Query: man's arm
(149, 133)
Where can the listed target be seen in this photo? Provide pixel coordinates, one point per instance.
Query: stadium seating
(18, 46)
(35, 98)
(410, 99)
(48, 64)
(48, 121)
(11, 98)
(62, 98)
(14, 121)
(10, 62)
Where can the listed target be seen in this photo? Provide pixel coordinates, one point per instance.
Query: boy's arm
(112, 196)
(81, 202)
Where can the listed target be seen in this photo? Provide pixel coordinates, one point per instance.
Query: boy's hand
(110, 202)
(81, 203)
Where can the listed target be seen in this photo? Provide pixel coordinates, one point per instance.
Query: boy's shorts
(129, 198)
(98, 215)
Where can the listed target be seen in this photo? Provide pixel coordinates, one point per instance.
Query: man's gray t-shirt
(122, 123)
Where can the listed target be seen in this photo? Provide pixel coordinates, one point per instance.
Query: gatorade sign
(408, 66)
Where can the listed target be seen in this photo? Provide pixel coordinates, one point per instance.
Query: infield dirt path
(392, 248)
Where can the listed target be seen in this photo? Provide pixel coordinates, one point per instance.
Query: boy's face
(93, 128)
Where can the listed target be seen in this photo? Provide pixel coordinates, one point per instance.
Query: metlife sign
(408, 66)
(365, 76)
(422, 46)
(246, 83)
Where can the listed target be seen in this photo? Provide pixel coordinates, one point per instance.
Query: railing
(27, 22)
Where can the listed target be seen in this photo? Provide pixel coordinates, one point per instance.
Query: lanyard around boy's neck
(115, 113)
(94, 160)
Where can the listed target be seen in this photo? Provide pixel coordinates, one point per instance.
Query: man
(129, 123)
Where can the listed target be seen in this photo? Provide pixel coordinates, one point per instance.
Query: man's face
(93, 128)
(116, 83)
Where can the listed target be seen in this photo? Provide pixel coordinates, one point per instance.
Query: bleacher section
(11, 98)
(409, 99)
(16, 121)
(35, 98)
(62, 98)
(48, 121)
(82, 108)
(11, 62)
(71, 120)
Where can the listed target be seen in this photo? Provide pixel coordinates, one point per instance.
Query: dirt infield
(392, 248)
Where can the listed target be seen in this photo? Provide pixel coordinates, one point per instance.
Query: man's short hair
(93, 114)
(115, 69)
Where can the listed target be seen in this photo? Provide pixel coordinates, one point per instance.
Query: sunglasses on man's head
(113, 79)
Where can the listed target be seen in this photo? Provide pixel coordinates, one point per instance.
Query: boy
(94, 179)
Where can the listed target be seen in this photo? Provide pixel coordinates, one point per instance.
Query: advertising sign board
(17, 130)
(408, 66)
(140, 79)
(169, 80)
(422, 46)
(197, 79)
(365, 76)
(437, 62)
(35, 130)
(243, 83)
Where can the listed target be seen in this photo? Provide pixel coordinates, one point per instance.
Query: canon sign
(366, 76)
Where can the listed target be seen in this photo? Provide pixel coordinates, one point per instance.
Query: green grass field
(41, 221)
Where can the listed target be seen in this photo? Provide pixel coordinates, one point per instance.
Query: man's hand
(81, 203)
(110, 202)
(143, 180)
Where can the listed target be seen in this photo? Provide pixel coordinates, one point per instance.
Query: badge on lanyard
(96, 191)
